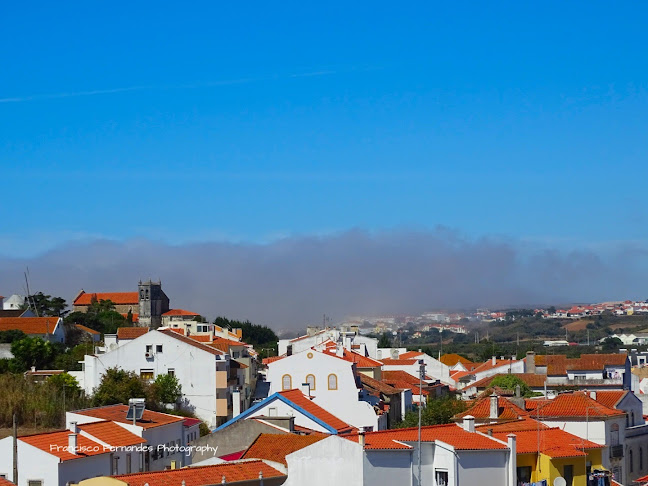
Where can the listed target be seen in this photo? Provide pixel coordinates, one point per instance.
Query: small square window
(171, 372)
(149, 348)
(158, 348)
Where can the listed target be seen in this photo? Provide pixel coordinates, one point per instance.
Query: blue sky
(248, 123)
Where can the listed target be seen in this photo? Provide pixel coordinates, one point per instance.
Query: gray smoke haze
(292, 282)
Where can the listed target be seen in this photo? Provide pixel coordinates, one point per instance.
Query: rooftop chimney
(469, 423)
(530, 362)
(72, 443)
(512, 465)
(74, 428)
(494, 407)
(494, 360)
(305, 388)
(593, 395)
(361, 437)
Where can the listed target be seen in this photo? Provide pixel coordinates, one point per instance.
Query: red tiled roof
(224, 344)
(452, 359)
(190, 422)
(131, 332)
(180, 312)
(188, 340)
(576, 404)
(379, 386)
(117, 413)
(610, 398)
(524, 423)
(307, 336)
(353, 357)
(271, 359)
(451, 434)
(552, 442)
(481, 409)
(559, 364)
(111, 433)
(81, 327)
(203, 475)
(134, 315)
(410, 355)
(275, 447)
(379, 442)
(56, 443)
(29, 325)
(402, 362)
(299, 399)
(202, 338)
(117, 298)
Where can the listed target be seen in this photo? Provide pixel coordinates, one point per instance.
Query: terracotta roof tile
(402, 362)
(410, 355)
(552, 442)
(453, 359)
(353, 357)
(275, 447)
(524, 423)
(203, 475)
(271, 359)
(117, 298)
(131, 332)
(576, 404)
(188, 340)
(481, 409)
(56, 443)
(379, 386)
(531, 379)
(299, 399)
(180, 312)
(610, 398)
(81, 327)
(111, 433)
(29, 325)
(117, 413)
(451, 434)
(380, 442)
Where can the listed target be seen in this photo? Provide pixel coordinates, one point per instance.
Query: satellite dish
(559, 481)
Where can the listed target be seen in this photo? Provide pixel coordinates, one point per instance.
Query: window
(158, 348)
(115, 464)
(128, 463)
(332, 382)
(149, 348)
(441, 478)
(146, 375)
(310, 379)
(272, 412)
(286, 382)
(35, 482)
(524, 474)
(641, 458)
(171, 372)
(614, 439)
(236, 354)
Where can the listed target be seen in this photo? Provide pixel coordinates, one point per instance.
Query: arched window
(310, 379)
(641, 458)
(332, 382)
(286, 382)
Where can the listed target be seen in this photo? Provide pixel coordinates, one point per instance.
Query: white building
(13, 302)
(48, 328)
(367, 346)
(332, 382)
(202, 370)
(450, 456)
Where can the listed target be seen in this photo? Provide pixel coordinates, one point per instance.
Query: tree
(510, 381)
(385, 341)
(611, 344)
(119, 386)
(32, 351)
(46, 305)
(11, 335)
(64, 380)
(166, 389)
(437, 411)
(257, 335)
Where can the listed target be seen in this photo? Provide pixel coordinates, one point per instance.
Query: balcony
(616, 451)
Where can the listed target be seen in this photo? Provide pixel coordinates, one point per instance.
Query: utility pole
(421, 374)
(15, 450)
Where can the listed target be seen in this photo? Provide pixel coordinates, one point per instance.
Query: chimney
(236, 402)
(530, 362)
(512, 465)
(469, 423)
(593, 395)
(361, 438)
(74, 428)
(72, 443)
(305, 388)
(494, 407)
(494, 360)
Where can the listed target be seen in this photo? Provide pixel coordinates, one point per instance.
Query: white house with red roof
(351, 340)
(451, 455)
(203, 371)
(331, 380)
(48, 328)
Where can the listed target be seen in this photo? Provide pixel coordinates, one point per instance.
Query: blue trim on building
(276, 396)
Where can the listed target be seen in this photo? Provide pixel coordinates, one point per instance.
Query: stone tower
(153, 302)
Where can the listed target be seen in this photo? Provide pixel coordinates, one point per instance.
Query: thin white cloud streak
(227, 82)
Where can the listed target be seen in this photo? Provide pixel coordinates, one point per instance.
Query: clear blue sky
(248, 122)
